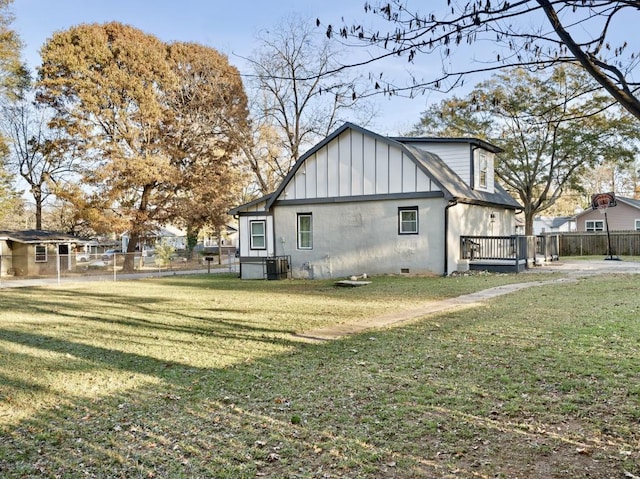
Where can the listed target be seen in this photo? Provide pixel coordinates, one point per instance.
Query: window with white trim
(41, 254)
(593, 226)
(258, 234)
(637, 228)
(408, 220)
(305, 231)
(483, 169)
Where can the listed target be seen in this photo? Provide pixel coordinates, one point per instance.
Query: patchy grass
(201, 377)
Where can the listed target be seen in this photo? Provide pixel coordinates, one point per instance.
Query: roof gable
(620, 199)
(353, 162)
(455, 187)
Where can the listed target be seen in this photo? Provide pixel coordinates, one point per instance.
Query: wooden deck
(507, 253)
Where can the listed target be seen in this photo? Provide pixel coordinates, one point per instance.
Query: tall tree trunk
(219, 241)
(529, 214)
(192, 240)
(128, 265)
(37, 197)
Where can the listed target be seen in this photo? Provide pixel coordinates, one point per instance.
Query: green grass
(634, 259)
(202, 377)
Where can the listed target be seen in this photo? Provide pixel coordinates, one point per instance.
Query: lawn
(205, 376)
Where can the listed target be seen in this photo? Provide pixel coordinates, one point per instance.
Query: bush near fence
(623, 243)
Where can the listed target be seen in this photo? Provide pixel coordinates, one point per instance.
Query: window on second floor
(483, 169)
(594, 225)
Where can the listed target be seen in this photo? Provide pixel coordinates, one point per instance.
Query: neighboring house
(359, 202)
(37, 252)
(170, 235)
(623, 217)
(551, 224)
(229, 237)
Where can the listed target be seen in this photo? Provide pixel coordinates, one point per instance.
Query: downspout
(237, 218)
(451, 203)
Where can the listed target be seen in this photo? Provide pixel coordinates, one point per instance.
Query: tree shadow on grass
(452, 396)
(370, 406)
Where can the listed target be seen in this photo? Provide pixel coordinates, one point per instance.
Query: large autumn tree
(534, 34)
(13, 79)
(13, 73)
(212, 109)
(553, 128)
(149, 121)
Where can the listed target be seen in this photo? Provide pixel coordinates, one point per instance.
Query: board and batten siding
(354, 165)
(245, 247)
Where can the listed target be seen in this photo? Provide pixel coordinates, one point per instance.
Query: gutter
(452, 202)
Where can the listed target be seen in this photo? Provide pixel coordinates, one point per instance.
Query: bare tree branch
(569, 31)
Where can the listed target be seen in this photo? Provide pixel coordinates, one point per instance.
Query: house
(37, 252)
(553, 224)
(167, 234)
(359, 202)
(625, 216)
(228, 238)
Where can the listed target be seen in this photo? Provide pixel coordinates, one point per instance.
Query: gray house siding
(362, 237)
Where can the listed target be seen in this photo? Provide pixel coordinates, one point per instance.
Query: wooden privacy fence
(623, 243)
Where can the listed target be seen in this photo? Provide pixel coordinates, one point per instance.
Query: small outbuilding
(37, 252)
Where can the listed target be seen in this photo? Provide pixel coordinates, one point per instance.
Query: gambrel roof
(432, 176)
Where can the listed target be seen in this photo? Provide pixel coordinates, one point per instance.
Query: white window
(594, 225)
(637, 225)
(41, 254)
(483, 169)
(305, 231)
(258, 234)
(408, 220)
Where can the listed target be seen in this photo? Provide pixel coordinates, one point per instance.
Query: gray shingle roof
(39, 236)
(451, 184)
(454, 186)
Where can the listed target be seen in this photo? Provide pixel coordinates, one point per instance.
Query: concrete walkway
(572, 271)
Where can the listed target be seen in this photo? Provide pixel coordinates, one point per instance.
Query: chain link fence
(110, 265)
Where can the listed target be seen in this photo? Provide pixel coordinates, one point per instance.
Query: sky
(231, 26)
(228, 26)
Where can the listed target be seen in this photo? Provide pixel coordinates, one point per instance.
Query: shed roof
(39, 236)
